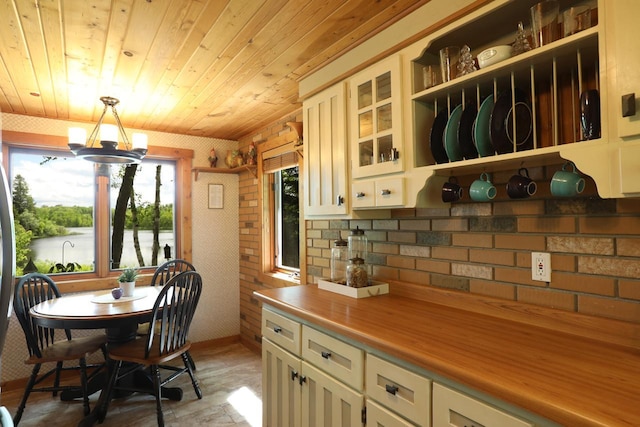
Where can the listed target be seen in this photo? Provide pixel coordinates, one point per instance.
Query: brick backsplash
(479, 248)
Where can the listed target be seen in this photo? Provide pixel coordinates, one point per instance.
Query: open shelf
(239, 169)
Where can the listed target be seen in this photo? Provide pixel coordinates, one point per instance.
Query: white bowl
(494, 55)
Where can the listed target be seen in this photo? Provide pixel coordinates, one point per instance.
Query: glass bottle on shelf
(357, 276)
(339, 257)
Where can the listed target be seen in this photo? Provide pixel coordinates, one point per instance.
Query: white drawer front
(390, 192)
(377, 416)
(363, 194)
(454, 409)
(281, 331)
(339, 359)
(400, 390)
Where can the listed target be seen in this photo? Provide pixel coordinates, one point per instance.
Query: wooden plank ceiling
(217, 68)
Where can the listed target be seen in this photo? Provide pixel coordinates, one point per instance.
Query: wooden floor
(229, 377)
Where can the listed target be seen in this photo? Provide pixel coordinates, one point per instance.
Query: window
(74, 217)
(280, 210)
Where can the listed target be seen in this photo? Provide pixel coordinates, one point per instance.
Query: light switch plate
(541, 266)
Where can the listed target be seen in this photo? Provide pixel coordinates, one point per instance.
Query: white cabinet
(398, 389)
(325, 153)
(378, 193)
(375, 120)
(454, 409)
(318, 383)
(548, 81)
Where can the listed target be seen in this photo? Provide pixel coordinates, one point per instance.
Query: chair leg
(194, 381)
(193, 364)
(25, 396)
(56, 381)
(108, 391)
(157, 381)
(83, 385)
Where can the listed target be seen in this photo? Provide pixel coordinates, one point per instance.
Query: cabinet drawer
(380, 417)
(281, 331)
(400, 390)
(339, 359)
(363, 194)
(454, 409)
(390, 192)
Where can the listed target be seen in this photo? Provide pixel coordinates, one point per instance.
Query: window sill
(279, 279)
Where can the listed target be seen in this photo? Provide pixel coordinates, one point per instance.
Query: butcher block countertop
(571, 369)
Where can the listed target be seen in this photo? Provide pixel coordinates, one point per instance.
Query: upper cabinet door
(325, 153)
(375, 120)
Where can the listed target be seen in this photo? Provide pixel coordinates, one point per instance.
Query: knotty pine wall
(478, 248)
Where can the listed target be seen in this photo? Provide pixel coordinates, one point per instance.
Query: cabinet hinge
(364, 416)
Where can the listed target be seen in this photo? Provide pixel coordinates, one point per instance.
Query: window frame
(102, 277)
(268, 272)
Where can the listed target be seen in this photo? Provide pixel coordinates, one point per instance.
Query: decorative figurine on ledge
(213, 159)
(252, 154)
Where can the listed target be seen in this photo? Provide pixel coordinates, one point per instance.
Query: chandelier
(107, 151)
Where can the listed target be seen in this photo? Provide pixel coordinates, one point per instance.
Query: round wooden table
(99, 310)
(119, 318)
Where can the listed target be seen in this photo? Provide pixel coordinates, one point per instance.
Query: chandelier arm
(127, 145)
(94, 133)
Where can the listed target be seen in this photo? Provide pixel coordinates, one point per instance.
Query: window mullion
(102, 220)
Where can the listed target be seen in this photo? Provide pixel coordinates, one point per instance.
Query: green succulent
(128, 275)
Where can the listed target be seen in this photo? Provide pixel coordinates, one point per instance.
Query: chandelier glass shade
(106, 150)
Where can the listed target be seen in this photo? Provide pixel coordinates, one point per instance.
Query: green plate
(451, 145)
(481, 134)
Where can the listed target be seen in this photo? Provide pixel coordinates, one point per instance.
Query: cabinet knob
(294, 375)
(359, 195)
(326, 354)
(302, 379)
(629, 105)
(339, 200)
(277, 329)
(385, 192)
(391, 389)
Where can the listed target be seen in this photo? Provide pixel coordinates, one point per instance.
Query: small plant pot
(128, 288)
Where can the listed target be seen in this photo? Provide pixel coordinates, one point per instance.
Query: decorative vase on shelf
(229, 160)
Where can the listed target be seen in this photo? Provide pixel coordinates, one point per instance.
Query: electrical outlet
(541, 266)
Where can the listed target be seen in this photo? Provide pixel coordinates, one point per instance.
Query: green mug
(482, 190)
(567, 183)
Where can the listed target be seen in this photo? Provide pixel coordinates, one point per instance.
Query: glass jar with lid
(358, 244)
(338, 264)
(357, 276)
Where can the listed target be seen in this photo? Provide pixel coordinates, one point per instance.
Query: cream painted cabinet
(281, 391)
(325, 153)
(375, 120)
(454, 409)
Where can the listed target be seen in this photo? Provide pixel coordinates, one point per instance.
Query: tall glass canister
(339, 258)
(358, 244)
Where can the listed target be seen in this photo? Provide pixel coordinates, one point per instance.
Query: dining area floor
(229, 377)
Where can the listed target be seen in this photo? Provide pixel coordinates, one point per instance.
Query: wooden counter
(570, 379)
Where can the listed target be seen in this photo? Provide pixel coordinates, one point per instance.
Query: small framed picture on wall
(216, 196)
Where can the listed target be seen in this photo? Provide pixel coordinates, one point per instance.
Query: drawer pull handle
(391, 389)
(385, 192)
(294, 375)
(359, 195)
(326, 354)
(277, 329)
(339, 200)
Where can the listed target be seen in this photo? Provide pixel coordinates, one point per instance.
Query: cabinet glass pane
(366, 153)
(383, 86)
(385, 145)
(384, 117)
(365, 121)
(365, 95)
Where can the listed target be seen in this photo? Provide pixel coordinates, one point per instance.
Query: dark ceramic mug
(590, 114)
(451, 191)
(520, 186)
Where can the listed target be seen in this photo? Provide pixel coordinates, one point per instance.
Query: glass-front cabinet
(376, 120)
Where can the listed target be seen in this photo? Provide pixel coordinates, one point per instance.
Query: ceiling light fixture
(88, 149)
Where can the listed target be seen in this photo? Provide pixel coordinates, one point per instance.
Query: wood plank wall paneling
(481, 249)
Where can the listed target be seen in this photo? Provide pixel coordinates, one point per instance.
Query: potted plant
(127, 281)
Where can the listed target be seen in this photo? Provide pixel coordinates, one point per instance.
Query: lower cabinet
(454, 409)
(311, 378)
